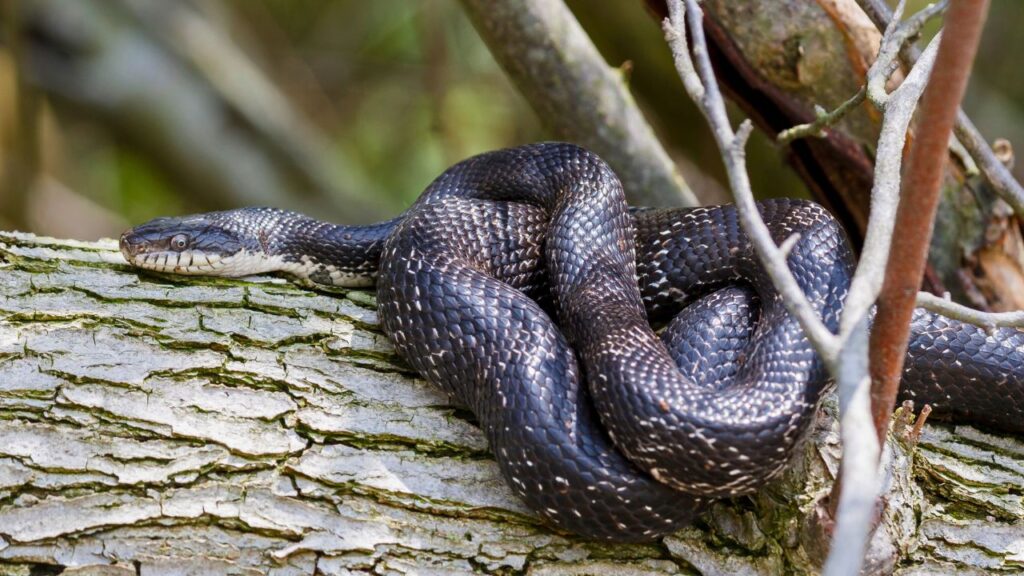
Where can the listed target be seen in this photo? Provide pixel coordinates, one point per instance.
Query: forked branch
(846, 353)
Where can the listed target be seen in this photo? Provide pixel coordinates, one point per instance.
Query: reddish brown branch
(918, 202)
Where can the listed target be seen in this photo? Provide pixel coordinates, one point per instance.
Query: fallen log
(152, 425)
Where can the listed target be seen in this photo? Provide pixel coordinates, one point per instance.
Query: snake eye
(179, 242)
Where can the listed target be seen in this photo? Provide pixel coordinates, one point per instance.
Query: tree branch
(822, 121)
(699, 80)
(919, 201)
(155, 424)
(855, 495)
(988, 320)
(540, 45)
(896, 36)
(846, 355)
(223, 139)
(898, 111)
(995, 172)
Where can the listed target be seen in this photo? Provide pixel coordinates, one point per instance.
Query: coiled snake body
(468, 281)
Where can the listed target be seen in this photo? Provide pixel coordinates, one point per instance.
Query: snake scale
(603, 427)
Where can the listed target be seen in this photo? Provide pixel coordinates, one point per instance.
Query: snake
(627, 366)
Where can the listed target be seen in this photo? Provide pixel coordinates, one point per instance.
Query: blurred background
(116, 111)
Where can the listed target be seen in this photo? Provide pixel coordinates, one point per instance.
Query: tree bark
(165, 425)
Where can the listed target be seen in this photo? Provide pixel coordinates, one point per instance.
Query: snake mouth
(187, 262)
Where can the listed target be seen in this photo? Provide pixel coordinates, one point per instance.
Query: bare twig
(987, 320)
(920, 200)
(540, 44)
(995, 172)
(699, 80)
(915, 434)
(822, 121)
(898, 108)
(846, 357)
(855, 507)
(855, 494)
(897, 35)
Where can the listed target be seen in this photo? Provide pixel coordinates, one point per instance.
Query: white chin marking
(180, 263)
(246, 263)
(355, 281)
(327, 274)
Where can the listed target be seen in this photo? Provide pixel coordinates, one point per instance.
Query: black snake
(470, 277)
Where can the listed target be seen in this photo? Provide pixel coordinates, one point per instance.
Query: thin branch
(846, 358)
(898, 111)
(987, 320)
(888, 50)
(920, 197)
(540, 44)
(822, 121)
(859, 471)
(922, 417)
(897, 34)
(998, 175)
(859, 486)
(699, 80)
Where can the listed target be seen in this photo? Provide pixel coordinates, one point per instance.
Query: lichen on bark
(162, 425)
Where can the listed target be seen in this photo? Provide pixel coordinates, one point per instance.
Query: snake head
(211, 244)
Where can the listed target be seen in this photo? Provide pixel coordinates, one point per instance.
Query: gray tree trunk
(155, 425)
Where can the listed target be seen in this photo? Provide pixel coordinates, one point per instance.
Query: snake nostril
(129, 247)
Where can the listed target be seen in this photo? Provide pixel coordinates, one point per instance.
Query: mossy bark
(165, 425)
